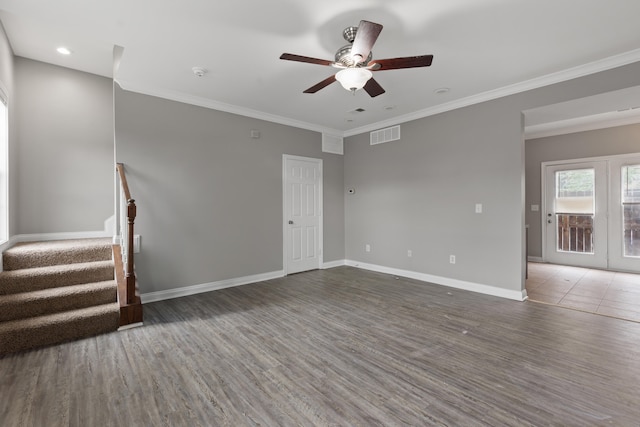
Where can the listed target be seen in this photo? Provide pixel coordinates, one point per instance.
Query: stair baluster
(130, 304)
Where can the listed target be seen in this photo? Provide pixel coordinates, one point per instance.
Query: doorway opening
(591, 213)
(591, 237)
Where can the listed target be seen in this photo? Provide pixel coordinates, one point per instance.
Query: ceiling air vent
(385, 135)
(356, 111)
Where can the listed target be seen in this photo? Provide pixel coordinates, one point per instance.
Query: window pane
(4, 184)
(574, 191)
(631, 210)
(575, 207)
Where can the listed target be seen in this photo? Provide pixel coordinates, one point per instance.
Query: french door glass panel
(631, 210)
(575, 217)
(574, 210)
(624, 214)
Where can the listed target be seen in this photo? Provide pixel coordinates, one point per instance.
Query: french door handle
(290, 222)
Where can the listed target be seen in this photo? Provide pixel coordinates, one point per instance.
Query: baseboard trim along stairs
(56, 291)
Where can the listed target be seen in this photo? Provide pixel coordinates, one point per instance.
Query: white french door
(591, 215)
(302, 188)
(624, 215)
(575, 216)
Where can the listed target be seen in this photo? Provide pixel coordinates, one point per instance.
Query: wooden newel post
(129, 274)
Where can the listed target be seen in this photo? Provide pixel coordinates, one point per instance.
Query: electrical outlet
(367, 248)
(409, 253)
(452, 259)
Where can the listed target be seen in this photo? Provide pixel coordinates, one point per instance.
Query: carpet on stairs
(56, 291)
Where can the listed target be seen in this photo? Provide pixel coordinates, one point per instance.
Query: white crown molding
(221, 106)
(549, 79)
(582, 124)
(445, 281)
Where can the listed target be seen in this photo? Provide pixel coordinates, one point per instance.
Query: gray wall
(601, 142)
(419, 193)
(64, 150)
(209, 197)
(7, 80)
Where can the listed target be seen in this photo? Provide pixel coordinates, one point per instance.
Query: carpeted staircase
(56, 291)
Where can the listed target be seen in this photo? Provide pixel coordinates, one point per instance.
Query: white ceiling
(482, 49)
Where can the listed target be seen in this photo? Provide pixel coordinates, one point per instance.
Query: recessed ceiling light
(63, 50)
(441, 90)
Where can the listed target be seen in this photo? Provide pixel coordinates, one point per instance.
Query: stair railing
(130, 304)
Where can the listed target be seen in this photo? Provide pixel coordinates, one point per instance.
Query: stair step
(48, 301)
(34, 279)
(24, 334)
(43, 254)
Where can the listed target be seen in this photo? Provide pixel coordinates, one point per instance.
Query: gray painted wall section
(419, 193)
(601, 142)
(65, 149)
(209, 196)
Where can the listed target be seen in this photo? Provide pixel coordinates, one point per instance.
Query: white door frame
(285, 216)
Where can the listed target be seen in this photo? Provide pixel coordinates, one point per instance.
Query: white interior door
(302, 187)
(575, 217)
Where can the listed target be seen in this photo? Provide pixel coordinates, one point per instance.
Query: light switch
(478, 207)
(535, 208)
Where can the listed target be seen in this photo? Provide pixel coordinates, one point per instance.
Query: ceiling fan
(355, 61)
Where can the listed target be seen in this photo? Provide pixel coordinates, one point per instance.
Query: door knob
(290, 222)
(549, 214)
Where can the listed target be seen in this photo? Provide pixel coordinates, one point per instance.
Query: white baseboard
(130, 326)
(222, 284)
(333, 264)
(445, 281)
(208, 287)
(42, 237)
(535, 259)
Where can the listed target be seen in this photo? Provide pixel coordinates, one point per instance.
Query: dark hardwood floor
(338, 347)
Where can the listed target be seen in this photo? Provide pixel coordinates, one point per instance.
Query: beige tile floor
(597, 291)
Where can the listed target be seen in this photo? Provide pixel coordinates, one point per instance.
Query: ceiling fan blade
(326, 82)
(373, 88)
(300, 58)
(366, 37)
(397, 63)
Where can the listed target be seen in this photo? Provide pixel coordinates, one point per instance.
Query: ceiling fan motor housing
(343, 56)
(349, 34)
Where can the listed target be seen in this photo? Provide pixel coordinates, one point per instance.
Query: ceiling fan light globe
(353, 78)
